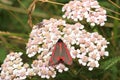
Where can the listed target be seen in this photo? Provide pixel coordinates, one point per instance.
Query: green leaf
(2, 54)
(109, 63)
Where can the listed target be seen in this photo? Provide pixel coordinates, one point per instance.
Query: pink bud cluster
(13, 68)
(41, 68)
(42, 39)
(85, 9)
(87, 47)
(92, 49)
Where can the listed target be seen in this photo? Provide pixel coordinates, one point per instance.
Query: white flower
(61, 67)
(87, 47)
(30, 72)
(94, 55)
(92, 64)
(83, 60)
(88, 9)
(13, 68)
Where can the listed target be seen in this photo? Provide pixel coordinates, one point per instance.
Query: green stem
(20, 10)
(114, 4)
(21, 37)
(52, 2)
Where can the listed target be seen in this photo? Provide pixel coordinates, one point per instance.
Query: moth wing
(55, 55)
(66, 55)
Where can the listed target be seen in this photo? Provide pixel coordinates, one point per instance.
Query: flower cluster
(42, 39)
(13, 68)
(41, 68)
(87, 47)
(92, 49)
(44, 36)
(85, 9)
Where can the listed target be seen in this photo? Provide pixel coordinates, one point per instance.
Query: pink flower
(92, 64)
(87, 48)
(83, 60)
(85, 9)
(13, 67)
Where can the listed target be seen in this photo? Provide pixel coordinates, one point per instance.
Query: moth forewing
(60, 54)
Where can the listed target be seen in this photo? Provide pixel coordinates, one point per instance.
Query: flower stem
(111, 10)
(113, 17)
(114, 4)
(52, 2)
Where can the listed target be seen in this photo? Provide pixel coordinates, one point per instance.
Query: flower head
(13, 67)
(85, 9)
(87, 47)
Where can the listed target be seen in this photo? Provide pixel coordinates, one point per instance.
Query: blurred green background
(15, 30)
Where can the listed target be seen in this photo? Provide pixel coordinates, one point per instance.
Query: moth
(40, 25)
(60, 54)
